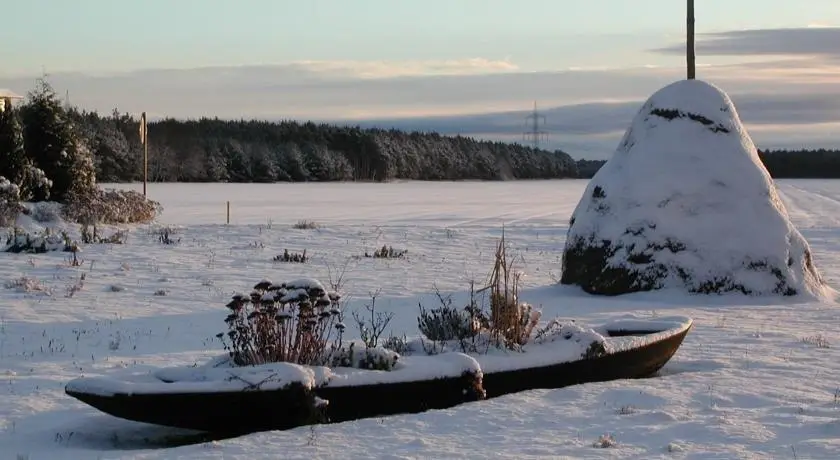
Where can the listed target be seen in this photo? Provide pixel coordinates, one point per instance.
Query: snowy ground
(754, 379)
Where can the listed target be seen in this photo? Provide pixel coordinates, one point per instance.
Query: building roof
(7, 93)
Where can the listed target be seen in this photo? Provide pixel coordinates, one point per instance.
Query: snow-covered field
(754, 378)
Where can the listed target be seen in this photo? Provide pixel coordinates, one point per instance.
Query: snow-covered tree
(15, 166)
(54, 146)
(13, 161)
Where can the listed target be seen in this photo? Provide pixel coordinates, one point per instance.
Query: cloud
(388, 69)
(791, 87)
(807, 41)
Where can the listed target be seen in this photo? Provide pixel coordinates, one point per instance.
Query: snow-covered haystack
(686, 203)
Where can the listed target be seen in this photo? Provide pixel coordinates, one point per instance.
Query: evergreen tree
(12, 155)
(54, 146)
(15, 166)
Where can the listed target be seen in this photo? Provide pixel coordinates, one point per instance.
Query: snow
(408, 369)
(667, 326)
(757, 377)
(199, 380)
(687, 173)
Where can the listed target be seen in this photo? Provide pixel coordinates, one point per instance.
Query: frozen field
(754, 379)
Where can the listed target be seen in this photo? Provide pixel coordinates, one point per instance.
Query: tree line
(51, 151)
(781, 164)
(214, 150)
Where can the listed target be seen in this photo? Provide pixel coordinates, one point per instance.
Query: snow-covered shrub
(46, 212)
(292, 257)
(288, 322)
(10, 205)
(387, 252)
(605, 441)
(685, 202)
(556, 330)
(306, 225)
(110, 207)
(357, 355)
(28, 285)
(450, 323)
(164, 236)
(20, 241)
(397, 344)
(90, 235)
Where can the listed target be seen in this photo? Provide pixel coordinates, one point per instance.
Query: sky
(387, 60)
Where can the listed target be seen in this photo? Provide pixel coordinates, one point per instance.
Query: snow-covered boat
(632, 348)
(223, 398)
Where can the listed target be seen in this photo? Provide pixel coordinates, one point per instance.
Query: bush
(363, 357)
(20, 241)
(165, 238)
(387, 252)
(306, 225)
(90, 235)
(293, 257)
(289, 322)
(10, 205)
(111, 207)
(557, 330)
(449, 323)
(46, 212)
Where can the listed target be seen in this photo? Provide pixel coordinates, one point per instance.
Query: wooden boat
(634, 349)
(244, 405)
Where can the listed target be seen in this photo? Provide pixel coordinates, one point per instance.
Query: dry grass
(511, 322)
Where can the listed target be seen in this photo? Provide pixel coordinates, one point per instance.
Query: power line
(535, 134)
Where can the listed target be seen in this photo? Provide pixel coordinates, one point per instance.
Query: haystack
(686, 203)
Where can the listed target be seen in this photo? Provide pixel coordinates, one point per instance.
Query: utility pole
(690, 56)
(144, 139)
(535, 134)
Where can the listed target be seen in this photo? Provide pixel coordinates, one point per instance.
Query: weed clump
(509, 324)
(292, 257)
(387, 252)
(306, 225)
(90, 235)
(165, 236)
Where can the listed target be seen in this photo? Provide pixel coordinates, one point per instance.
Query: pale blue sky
(120, 35)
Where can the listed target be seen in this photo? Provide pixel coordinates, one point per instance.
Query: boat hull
(251, 410)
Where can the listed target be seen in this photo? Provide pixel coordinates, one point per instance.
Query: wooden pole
(690, 55)
(228, 212)
(144, 138)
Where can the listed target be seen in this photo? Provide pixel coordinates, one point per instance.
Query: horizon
(440, 66)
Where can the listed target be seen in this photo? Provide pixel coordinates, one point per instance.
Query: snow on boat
(629, 348)
(224, 398)
(218, 397)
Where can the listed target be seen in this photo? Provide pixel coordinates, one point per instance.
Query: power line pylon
(535, 135)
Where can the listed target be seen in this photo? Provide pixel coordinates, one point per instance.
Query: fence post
(228, 212)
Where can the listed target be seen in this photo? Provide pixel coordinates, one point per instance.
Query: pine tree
(12, 155)
(54, 146)
(15, 166)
